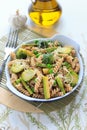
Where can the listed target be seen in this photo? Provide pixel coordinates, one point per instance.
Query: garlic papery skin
(17, 21)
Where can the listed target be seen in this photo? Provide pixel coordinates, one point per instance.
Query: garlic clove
(17, 21)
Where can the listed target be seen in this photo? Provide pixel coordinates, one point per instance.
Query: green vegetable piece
(60, 84)
(17, 66)
(46, 87)
(55, 83)
(50, 71)
(18, 81)
(73, 77)
(28, 74)
(27, 87)
(35, 52)
(14, 84)
(66, 64)
(41, 65)
(48, 58)
(42, 44)
(37, 55)
(65, 49)
(50, 49)
(32, 89)
(36, 41)
(21, 53)
(49, 66)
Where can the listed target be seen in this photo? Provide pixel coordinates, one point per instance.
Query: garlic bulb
(17, 21)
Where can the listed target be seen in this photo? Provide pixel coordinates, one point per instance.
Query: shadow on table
(58, 104)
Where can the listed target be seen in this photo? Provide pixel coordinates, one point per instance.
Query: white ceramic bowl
(65, 41)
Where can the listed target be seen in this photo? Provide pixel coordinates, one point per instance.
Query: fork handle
(2, 69)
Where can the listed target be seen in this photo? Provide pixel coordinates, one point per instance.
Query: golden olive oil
(45, 12)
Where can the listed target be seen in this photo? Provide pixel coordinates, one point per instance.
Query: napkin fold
(14, 102)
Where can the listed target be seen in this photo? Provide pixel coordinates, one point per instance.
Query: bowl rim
(65, 41)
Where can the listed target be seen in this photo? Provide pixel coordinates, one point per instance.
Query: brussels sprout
(48, 58)
(17, 66)
(72, 77)
(28, 74)
(21, 53)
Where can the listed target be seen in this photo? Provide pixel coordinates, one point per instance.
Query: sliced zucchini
(50, 49)
(60, 84)
(27, 87)
(46, 87)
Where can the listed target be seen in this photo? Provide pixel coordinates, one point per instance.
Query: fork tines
(12, 38)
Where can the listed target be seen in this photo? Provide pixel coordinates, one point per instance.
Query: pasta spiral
(58, 65)
(21, 89)
(38, 81)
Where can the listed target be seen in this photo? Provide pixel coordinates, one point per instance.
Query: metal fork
(9, 47)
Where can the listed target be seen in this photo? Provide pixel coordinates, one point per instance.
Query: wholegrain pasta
(44, 69)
